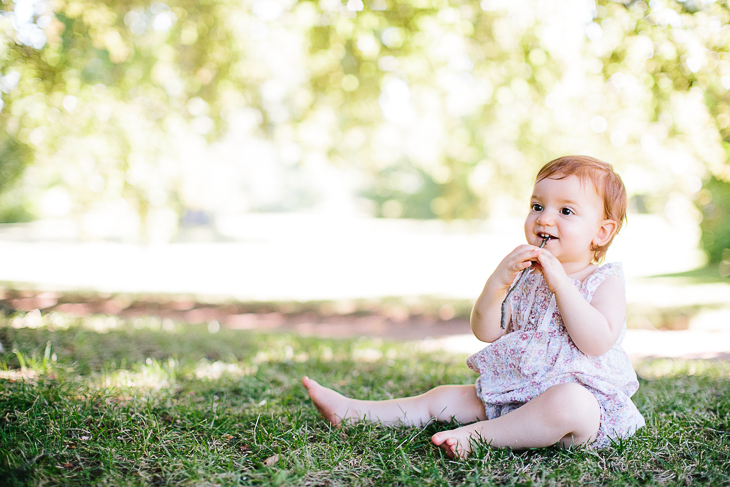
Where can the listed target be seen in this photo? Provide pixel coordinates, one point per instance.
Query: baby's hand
(552, 270)
(518, 260)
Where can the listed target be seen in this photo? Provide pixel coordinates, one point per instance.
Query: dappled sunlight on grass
(214, 370)
(150, 376)
(278, 354)
(17, 375)
(101, 324)
(366, 355)
(32, 319)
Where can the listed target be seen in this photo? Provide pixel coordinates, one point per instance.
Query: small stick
(522, 276)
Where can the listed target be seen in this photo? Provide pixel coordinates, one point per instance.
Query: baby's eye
(536, 207)
(566, 211)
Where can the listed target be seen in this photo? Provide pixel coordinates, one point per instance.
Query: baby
(557, 374)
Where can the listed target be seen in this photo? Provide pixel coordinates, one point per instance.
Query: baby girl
(557, 374)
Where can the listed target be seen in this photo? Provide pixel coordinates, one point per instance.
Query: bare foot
(457, 442)
(332, 405)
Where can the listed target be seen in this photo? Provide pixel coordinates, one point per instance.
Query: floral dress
(538, 353)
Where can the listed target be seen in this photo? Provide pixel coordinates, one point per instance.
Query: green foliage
(98, 401)
(714, 202)
(14, 157)
(468, 97)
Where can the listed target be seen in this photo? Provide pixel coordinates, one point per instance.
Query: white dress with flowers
(538, 353)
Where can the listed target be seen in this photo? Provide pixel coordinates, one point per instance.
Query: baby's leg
(441, 403)
(565, 413)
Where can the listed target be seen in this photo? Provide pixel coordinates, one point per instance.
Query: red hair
(608, 185)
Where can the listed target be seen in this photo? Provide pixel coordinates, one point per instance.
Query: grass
(99, 401)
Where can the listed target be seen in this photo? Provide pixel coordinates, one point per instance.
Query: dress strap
(548, 316)
(592, 282)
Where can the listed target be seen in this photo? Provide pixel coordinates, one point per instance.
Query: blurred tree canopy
(435, 108)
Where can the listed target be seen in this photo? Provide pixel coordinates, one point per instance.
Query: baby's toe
(437, 439)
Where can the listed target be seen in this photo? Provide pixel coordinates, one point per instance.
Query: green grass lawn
(100, 401)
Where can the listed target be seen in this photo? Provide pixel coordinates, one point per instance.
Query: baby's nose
(545, 219)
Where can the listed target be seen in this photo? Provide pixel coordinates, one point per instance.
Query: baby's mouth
(546, 236)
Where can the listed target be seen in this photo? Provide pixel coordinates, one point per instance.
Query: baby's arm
(594, 327)
(487, 311)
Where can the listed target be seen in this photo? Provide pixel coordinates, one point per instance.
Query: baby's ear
(605, 232)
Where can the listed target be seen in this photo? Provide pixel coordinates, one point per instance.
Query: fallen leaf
(245, 448)
(271, 461)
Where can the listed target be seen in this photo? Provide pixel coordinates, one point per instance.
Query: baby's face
(570, 212)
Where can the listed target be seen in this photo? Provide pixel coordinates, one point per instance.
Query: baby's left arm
(595, 326)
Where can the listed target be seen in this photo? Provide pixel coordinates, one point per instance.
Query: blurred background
(361, 155)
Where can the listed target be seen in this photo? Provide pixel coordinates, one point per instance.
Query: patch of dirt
(447, 325)
(327, 319)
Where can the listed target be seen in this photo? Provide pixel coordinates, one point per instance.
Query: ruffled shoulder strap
(592, 282)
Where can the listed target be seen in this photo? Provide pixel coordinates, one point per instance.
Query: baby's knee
(572, 405)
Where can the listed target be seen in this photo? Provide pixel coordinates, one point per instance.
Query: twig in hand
(522, 276)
